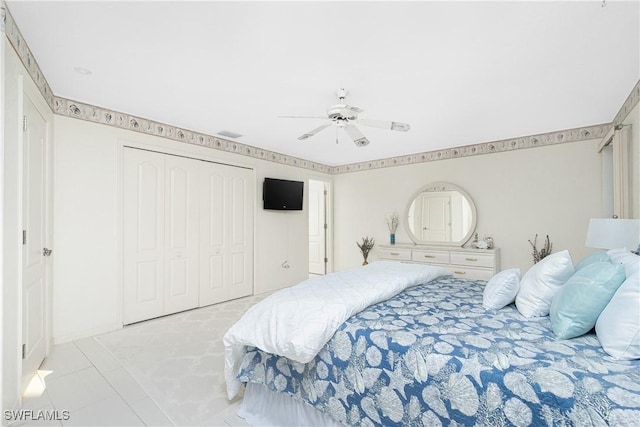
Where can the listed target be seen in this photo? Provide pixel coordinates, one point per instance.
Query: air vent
(229, 134)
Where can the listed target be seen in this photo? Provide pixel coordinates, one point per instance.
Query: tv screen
(282, 195)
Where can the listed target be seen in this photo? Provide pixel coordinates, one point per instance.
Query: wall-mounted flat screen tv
(282, 195)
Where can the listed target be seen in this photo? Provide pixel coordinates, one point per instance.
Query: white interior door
(436, 218)
(317, 235)
(240, 220)
(226, 228)
(143, 240)
(34, 241)
(213, 239)
(181, 253)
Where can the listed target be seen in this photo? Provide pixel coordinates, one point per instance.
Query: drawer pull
(429, 256)
(471, 259)
(394, 253)
(460, 272)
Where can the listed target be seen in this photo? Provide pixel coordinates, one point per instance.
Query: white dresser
(475, 264)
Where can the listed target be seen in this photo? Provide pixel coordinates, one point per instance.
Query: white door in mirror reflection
(436, 217)
(440, 216)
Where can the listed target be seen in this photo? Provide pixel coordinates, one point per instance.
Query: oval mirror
(441, 214)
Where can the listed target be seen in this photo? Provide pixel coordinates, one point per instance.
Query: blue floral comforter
(433, 355)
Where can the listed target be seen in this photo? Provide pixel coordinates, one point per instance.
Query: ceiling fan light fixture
(345, 117)
(402, 127)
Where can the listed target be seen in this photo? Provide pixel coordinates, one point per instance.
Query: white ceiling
(459, 72)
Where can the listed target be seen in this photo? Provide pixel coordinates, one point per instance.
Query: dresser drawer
(428, 256)
(472, 259)
(472, 273)
(391, 253)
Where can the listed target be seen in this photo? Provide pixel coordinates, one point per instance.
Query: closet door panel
(238, 279)
(241, 232)
(182, 234)
(213, 253)
(188, 233)
(148, 284)
(143, 239)
(216, 273)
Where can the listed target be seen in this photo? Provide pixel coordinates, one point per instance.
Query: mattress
(433, 355)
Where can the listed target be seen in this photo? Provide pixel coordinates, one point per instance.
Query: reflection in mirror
(441, 214)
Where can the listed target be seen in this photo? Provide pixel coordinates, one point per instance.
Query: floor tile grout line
(70, 372)
(102, 347)
(118, 393)
(137, 383)
(92, 403)
(55, 379)
(93, 366)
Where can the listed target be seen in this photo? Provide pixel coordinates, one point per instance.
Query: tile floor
(85, 378)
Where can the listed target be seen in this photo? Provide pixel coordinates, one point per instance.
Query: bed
(432, 355)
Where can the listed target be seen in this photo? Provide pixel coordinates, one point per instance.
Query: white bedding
(296, 322)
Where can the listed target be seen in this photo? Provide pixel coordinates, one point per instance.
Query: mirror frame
(442, 186)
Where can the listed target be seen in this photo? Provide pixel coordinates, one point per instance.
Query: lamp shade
(608, 233)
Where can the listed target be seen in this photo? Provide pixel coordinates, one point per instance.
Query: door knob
(46, 252)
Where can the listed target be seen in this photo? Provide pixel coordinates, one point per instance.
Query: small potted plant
(539, 254)
(393, 221)
(365, 247)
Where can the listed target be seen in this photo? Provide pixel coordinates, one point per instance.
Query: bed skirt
(263, 407)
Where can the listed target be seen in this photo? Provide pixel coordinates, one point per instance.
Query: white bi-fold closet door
(226, 233)
(188, 233)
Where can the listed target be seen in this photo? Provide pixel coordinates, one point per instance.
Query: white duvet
(297, 322)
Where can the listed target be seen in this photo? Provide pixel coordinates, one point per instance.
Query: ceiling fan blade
(313, 132)
(354, 133)
(304, 117)
(384, 124)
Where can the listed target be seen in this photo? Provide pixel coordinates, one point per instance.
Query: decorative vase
(392, 238)
(365, 262)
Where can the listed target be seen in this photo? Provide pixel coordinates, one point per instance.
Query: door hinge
(24, 123)
(24, 237)
(325, 192)
(325, 226)
(326, 260)
(24, 351)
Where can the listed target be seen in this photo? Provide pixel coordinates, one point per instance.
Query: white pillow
(618, 326)
(501, 289)
(540, 284)
(630, 260)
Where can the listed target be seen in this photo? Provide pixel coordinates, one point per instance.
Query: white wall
(551, 190)
(86, 298)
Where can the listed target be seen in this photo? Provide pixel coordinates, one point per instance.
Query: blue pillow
(576, 307)
(597, 256)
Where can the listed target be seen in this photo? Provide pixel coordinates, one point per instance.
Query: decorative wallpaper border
(83, 111)
(96, 114)
(570, 135)
(631, 101)
(79, 110)
(14, 35)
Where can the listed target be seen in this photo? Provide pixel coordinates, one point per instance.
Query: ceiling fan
(345, 117)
